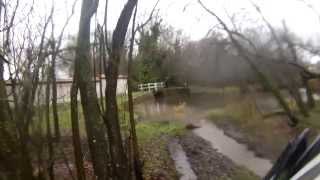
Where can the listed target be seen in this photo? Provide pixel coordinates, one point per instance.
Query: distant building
(64, 87)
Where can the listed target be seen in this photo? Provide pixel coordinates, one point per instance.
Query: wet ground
(181, 161)
(206, 162)
(204, 153)
(237, 152)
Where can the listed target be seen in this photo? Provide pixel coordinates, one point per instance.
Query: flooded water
(188, 113)
(181, 161)
(237, 152)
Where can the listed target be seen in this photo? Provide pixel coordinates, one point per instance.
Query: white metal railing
(151, 86)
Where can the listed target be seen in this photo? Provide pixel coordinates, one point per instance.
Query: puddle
(181, 161)
(238, 153)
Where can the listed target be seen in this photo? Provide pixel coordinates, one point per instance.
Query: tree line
(29, 152)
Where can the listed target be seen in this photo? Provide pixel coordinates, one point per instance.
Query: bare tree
(55, 49)
(262, 77)
(76, 131)
(117, 152)
(292, 87)
(82, 79)
(134, 142)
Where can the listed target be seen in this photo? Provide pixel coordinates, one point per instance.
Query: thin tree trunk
(54, 100)
(55, 47)
(75, 129)
(134, 140)
(76, 132)
(118, 154)
(24, 115)
(9, 158)
(275, 91)
(102, 59)
(49, 134)
(263, 78)
(83, 77)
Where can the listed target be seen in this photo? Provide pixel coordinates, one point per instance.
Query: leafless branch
(149, 18)
(311, 7)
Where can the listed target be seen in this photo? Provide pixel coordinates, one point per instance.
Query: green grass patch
(151, 130)
(139, 93)
(243, 174)
(64, 114)
(153, 139)
(313, 121)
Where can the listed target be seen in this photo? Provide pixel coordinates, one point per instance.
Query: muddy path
(181, 160)
(205, 161)
(231, 148)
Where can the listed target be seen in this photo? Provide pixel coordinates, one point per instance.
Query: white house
(64, 87)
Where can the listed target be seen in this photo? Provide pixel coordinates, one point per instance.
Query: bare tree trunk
(118, 155)
(55, 47)
(24, 116)
(4, 111)
(76, 132)
(54, 100)
(83, 77)
(8, 146)
(41, 174)
(134, 140)
(102, 61)
(49, 134)
(263, 78)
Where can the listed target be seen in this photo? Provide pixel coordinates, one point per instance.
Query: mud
(206, 162)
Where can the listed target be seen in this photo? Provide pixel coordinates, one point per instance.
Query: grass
(153, 140)
(64, 115)
(243, 115)
(217, 91)
(139, 93)
(243, 174)
(312, 122)
(240, 111)
(147, 131)
(314, 119)
(153, 136)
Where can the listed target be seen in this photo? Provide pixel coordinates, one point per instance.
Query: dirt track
(206, 162)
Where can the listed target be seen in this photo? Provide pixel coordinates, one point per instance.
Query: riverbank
(243, 120)
(205, 160)
(155, 139)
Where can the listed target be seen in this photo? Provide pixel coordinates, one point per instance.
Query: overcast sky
(188, 16)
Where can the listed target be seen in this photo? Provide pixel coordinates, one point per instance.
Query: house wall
(64, 87)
